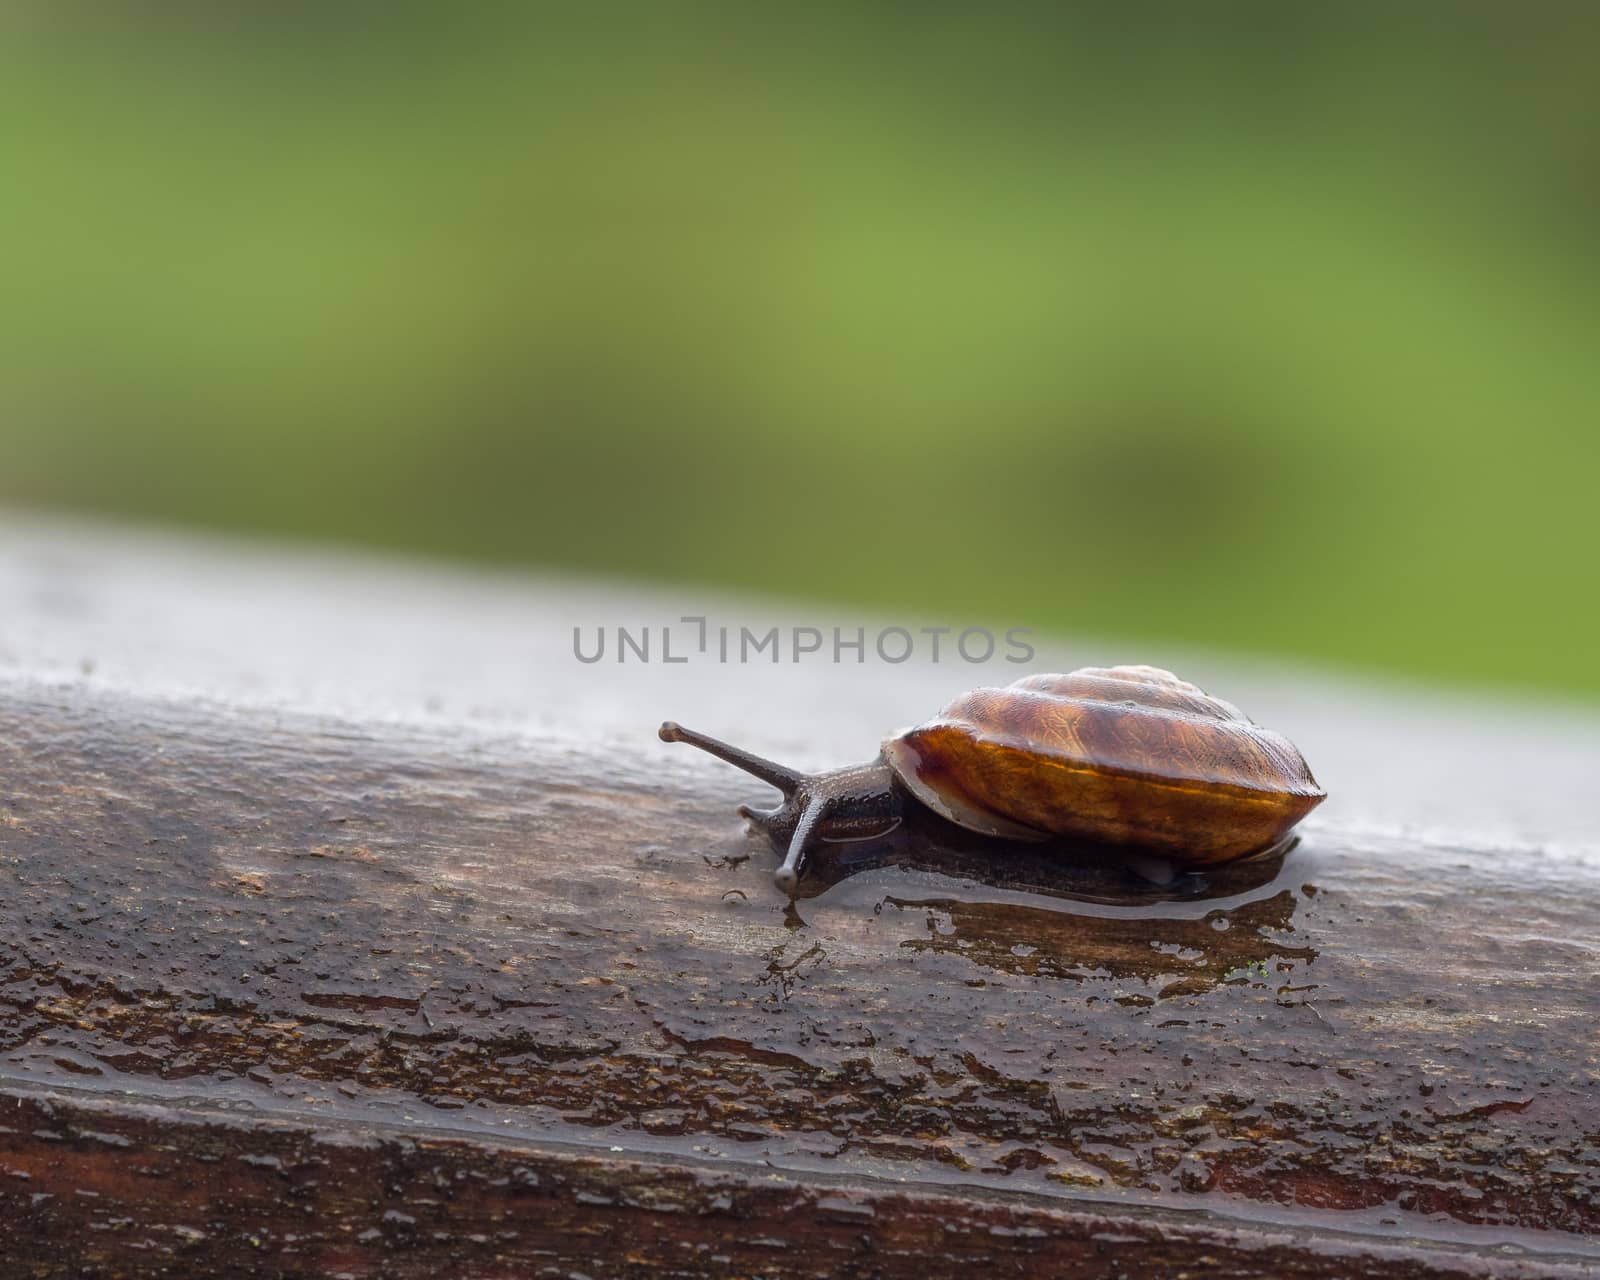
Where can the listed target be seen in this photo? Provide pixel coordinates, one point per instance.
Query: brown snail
(1129, 758)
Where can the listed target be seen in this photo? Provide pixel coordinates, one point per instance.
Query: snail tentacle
(787, 780)
(787, 876)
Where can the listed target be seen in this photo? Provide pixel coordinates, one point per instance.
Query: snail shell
(1128, 756)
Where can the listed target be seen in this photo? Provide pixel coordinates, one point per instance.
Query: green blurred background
(1264, 327)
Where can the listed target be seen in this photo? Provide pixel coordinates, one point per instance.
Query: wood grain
(332, 996)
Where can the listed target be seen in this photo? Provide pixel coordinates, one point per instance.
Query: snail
(1130, 759)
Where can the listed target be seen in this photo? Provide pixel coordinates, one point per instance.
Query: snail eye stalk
(785, 779)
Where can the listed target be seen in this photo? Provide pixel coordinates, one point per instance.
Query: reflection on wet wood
(380, 999)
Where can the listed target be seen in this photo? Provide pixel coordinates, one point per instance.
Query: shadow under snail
(1130, 759)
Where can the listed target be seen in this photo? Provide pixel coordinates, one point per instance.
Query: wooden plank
(297, 970)
(117, 1189)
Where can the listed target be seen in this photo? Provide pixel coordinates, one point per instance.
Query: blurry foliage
(1269, 326)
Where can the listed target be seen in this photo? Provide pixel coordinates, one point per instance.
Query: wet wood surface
(319, 994)
(367, 998)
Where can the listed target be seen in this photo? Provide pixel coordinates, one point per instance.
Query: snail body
(1130, 758)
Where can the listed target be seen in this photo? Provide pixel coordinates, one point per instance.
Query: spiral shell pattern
(1128, 756)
